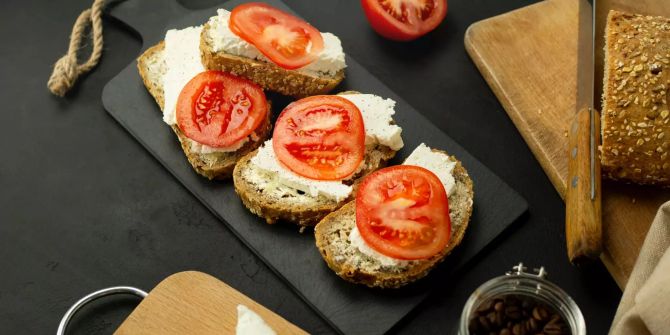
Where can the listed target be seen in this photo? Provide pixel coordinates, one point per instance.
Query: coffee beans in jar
(516, 315)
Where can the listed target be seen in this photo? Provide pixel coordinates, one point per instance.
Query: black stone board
(350, 309)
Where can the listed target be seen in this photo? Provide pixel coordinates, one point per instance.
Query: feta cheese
(182, 59)
(266, 160)
(436, 162)
(330, 61)
(250, 323)
(378, 119)
(357, 241)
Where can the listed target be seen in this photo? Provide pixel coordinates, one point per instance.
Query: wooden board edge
(197, 278)
(540, 154)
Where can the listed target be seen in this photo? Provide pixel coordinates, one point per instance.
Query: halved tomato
(404, 20)
(320, 137)
(403, 212)
(286, 40)
(219, 109)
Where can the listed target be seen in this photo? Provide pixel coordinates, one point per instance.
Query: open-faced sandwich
(218, 117)
(321, 147)
(404, 221)
(274, 49)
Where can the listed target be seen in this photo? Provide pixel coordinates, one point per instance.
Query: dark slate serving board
(290, 254)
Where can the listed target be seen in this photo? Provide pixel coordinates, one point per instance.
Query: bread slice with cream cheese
(276, 194)
(223, 50)
(347, 254)
(208, 162)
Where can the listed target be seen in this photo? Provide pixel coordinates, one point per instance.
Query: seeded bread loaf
(217, 165)
(635, 113)
(267, 75)
(332, 240)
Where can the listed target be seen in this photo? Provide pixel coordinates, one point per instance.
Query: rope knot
(64, 75)
(67, 70)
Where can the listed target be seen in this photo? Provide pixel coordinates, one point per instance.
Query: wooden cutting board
(195, 303)
(529, 59)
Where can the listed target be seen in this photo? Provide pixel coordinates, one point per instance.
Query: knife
(583, 219)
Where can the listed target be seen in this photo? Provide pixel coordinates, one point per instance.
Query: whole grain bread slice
(216, 165)
(267, 75)
(348, 262)
(265, 196)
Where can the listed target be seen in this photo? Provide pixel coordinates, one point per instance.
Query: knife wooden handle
(583, 220)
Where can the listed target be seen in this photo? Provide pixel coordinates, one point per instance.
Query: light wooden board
(195, 303)
(529, 59)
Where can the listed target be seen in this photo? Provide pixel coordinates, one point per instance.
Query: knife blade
(583, 218)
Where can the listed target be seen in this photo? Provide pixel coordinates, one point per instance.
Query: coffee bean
(533, 324)
(518, 329)
(485, 306)
(499, 320)
(513, 312)
(553, 328)
(484, 323)
(505, 331)
(499, 306)
(540, 314)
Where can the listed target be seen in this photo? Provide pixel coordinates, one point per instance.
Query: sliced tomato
(321, 137)
(403, 212)
(219, 109)
(404, 20)
(286, 40)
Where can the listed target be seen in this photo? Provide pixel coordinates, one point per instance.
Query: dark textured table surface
(84, 206)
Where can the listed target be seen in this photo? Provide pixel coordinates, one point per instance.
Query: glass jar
(531, 286)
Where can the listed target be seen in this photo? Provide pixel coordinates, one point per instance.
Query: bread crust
(338, 225)
(635, 117)
(267, 75)
(216, 165)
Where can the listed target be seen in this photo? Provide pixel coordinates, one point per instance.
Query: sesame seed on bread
(216, 165)
(348, 262)
(267, 75)
(635, 113)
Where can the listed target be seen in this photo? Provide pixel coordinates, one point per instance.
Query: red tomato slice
(219, 109)
(404, 20)
(403, 212)
(286, 40)
(320, 137)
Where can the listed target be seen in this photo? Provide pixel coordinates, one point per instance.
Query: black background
(84, 206)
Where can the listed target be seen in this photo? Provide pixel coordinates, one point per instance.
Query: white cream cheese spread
(266, 160)
(330, 61)
(378, 119)
(436, 162)
(250, 323)
(182, 60)
(357, 241)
